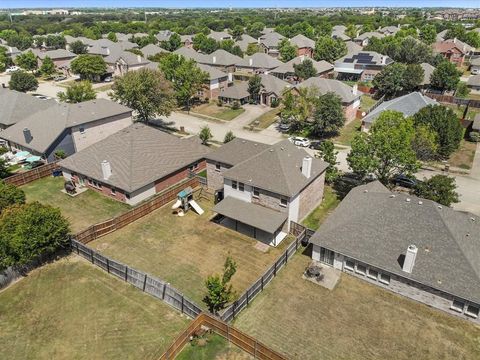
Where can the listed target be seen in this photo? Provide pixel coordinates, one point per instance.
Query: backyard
(356, 320)
(212, 347)
(72, 310)
(82, 210)
(348, 132)
(185, 250)
(219, 112)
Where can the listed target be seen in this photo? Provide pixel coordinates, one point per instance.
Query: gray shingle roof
(476, 122)
(128, 57)
(245, 41)
(301, 41)
(427, 73)
(56, 54)
(352, 48)
(324, 86)
(219, 35)
(237, 91)
(287, 68)
(272, 84)
(16, 106)
(376, 58)
(152, 49)
(138, 155)
(474, 80)
(375, 228)
(191, 54)
(254, 215)
(259, 61)
(220, 57)
(277, 169)
(213, 73)
(236, 151)
(408, 105)
(368, 35)
(475, 61)
(48, 124)
(271, 39)
(164, 35)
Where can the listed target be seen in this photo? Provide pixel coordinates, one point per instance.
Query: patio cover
(257, 216)
(348, 70)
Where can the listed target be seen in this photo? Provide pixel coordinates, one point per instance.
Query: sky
(235, 3)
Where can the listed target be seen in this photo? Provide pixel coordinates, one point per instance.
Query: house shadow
(401, 260)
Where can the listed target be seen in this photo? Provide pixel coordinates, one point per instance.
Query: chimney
(106, 170)
(108, 51)
(250, 61)
(454, 40)
(139, 58)
(307, 166)
(214, 60)
(302, 57)
(355, 89)
(27, 135)
(383, 59)
(410, 259)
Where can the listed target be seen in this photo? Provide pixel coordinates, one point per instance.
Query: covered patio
(253, 220)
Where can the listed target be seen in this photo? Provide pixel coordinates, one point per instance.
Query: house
(414, 247)
(450, 50)
(270, 42)
(221, 60)
(363, 65)
(364, 39)
(441, 36)
(135, 163)
(474, 82)
(286, 71)
(152, 50)
(12, 51)
(164, 35)
(427, 73)
(258, 63)
(389, 30)
(305, 46)
(245, 41)
(187, 41)
(105, 47)
(475, 66)
(220, 36)
(349, 96)
(352, 48)
(67, 127)
(237, 92)
(338, 32)
(125, 61)
(217, 82)
(408, 105)
(264, 188)
(16, 106)
(60, 57)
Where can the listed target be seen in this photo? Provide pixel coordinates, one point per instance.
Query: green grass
(348, 132)
(267, 119)
(229, 114)
(12, 169)
(366, 102)
(82, 210)
(203, 173)
(356, 320)
(71, 309)
(219, 112)
(211, 347)
(318, 215)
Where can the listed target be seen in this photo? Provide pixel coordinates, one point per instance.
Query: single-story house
(272, 186)
(151, 50)
(16, 106)
(135, 163)
(474, 82)
(414, 247)
(67, 127)
(305, 46)
(258, 63)
(363, 65)
(269, 43)
(220, 36)
(286, 71)
(408, 105)
(237, 92)
(364, 39)
(427, 74)
(245, 41)
(475, 66)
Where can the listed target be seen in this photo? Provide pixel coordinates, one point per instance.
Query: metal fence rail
(143, 281)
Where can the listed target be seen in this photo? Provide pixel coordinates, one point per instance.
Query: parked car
(315, 144)
(107, 79)
(12, 69)
(405, 181)
(59, 78)
(284, 126)
(300, 141)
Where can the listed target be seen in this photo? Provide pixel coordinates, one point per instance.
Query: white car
(300, 141)
(12, 69)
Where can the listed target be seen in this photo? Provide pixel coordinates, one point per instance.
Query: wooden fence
(31, 175)
(453, 100)
(145, 282)
(242, 340)
(95, 231)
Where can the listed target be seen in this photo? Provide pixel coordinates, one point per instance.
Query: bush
(235, 105)
(60, 154)
(219, 103)
(275, 102)
(23, 82)
(3, 150)
(474, 136)
(10, 195)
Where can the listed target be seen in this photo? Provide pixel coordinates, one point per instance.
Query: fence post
(144, 282)
(275, 268)
(247, 297)
(262, 282)
(182, 304)
(108, 266)
(126, 273)
(286, 256)
(233, 310)
(255, 350)
(163, 292)
(91, 254)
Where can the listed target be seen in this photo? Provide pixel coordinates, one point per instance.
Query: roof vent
(392, 196)
(27, 134)
(407, 200)
(106, 170)
(467, 234)
(420, 202)
(439, 206)
(472, 218)
(307, 166)
(365, 191)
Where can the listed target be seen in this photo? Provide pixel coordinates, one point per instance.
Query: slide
(196, 207)
(176, 205)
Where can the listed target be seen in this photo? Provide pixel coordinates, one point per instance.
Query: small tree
(228, 137)
(254, 87)
(328, 154)
(305, 70)
(78, 47)
(462, 90)
(425, 143)
(88, 66)
(27, 61)
(78, 92)
(48, 67)
(252, 49)
(112, 36)
(60, 154)
(10, 195)
(235, 105)
(205, 134)
(287, 50)
(23, 82)
(328, 115)
(329, 49)
(439, 188)
(4, 169)
(220, 291)
(445, 77)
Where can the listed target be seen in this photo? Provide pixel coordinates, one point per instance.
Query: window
(127, 196)
(283, 202)
(241, 186)
(217, 167)
(113, 191)
(361, 269)
(234, 185)
(472, 311)
(349, 265)
(384, 278)
(193, 166)
(457, 305)
(82, 130)
(256, 193)
(372, 274)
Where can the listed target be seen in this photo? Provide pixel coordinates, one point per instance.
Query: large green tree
(23, 81)
(428, 34)
(305, 70)
(287, 50)
(78, 47)
(146, 91)
(328, 115)
(329, 49)
(89, 67)
(446, 76)
(397, 78)
(328, 154)
(27, 61)
(254, 87)
(78, 92)
(48, 66)
(439, 188)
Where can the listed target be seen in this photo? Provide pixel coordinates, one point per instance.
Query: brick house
(452, 50)
(60, 57)
(305, 46)
(286, 71)
(258, 63)
(269, 43)
(362, 65)
(135, 163)
(261, 188)
(217, 82)
(410, 246)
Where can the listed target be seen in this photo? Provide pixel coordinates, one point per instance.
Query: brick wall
(214, 177)
(305, 51)
(350, 111)
(176, 177)
(270, 200)
(102, 188)
(311, 196)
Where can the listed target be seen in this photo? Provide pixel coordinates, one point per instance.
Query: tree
(89, 67)
(254, 87)
(411, 51)
(78, 92)
(472, 38)
(146, 91)
(10, 195)
(425, 143)
(445, 77)
(445, 124)
(387, 150)
(4, 169)
(78, 47)
(228, 137)
(5, 60)
(351, 31)
(428, 34)
(237, 32)
(462, 90)
(287, 50)
(112, 37)
(328, 115)
(204, 44)
(173, 43)
(48, 66)
(389, 81)
(205, 134)
(23, 82)
(412, 77)
(329, 49)
(29, 231)
(27, 61)
(328, 154)
(255, 29)
(220, 291)
(305, 69)
(252, 49)
(438, 188)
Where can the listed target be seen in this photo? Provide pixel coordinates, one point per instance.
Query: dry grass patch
(464, 156)
(356, 320)
(267, 119)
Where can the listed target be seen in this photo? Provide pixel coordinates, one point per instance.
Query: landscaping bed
(218, 112)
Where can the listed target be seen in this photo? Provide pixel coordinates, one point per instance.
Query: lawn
(185, 250)
(218, 112)
(70, 309)
(348, 132)
(329, 203)
(212, 347)
(366, 102)
(356, 320)
(463, 157)
(267, 119)
(82, 210)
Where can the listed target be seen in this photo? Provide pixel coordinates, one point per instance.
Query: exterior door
(326, 256)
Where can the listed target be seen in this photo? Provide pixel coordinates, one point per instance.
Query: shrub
(219, 103)
(235, 105)
(474, 136)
